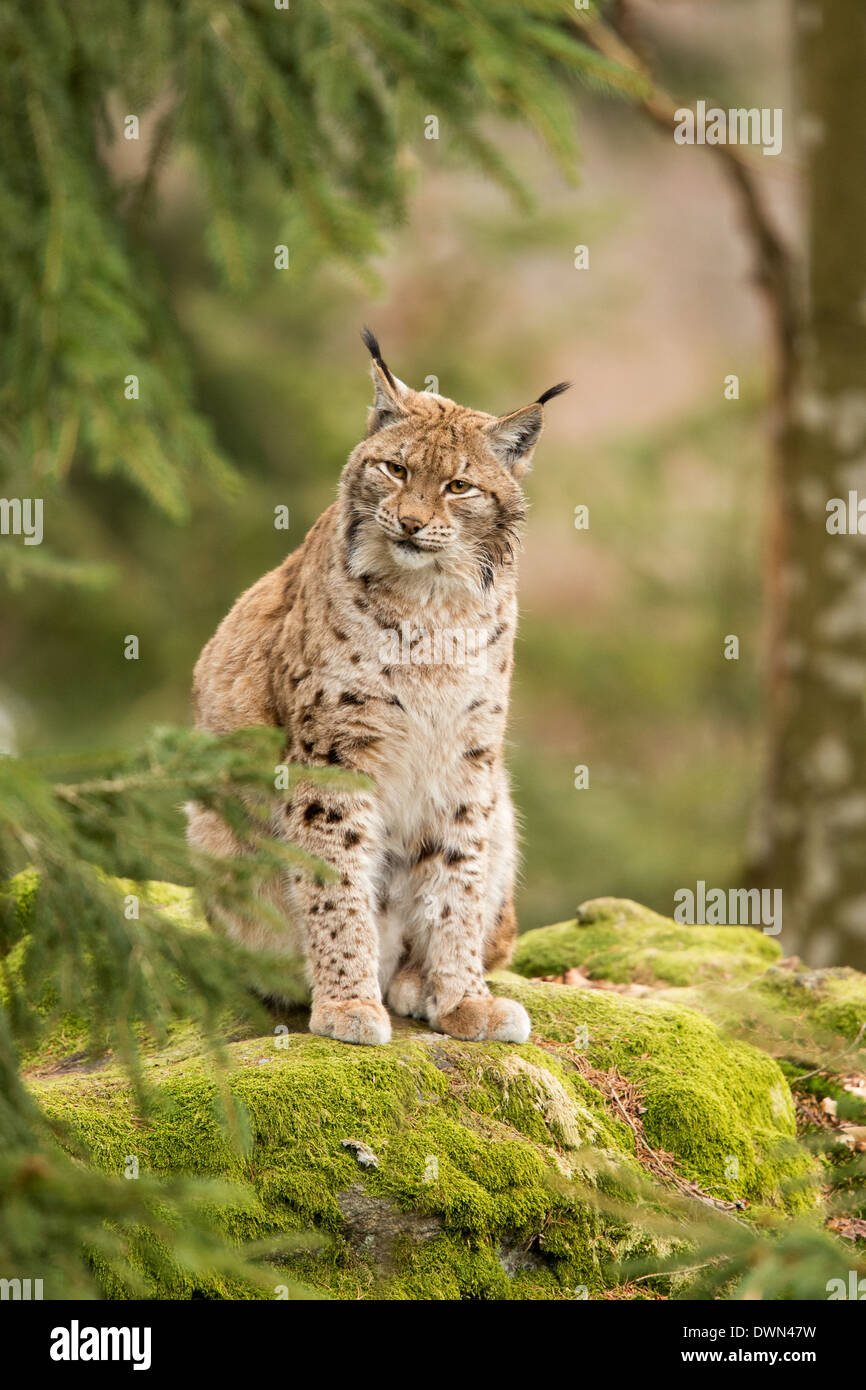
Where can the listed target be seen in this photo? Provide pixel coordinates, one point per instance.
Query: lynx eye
(459, 487)
(397, 470)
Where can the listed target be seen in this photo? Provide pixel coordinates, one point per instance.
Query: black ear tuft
(371, 343)
(550, 393)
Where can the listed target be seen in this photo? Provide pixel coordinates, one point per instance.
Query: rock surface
(735, 975)
(486, 1155)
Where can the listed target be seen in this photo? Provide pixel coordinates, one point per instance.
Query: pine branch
(316, 104)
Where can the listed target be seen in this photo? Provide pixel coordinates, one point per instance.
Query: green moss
(477, 1141)
(483, 1150)
(614, 939)
(466, 1142)
(831, 1000)
(69, 1035)
(733, 975)
(721, 1107)
(807, 1017)
(20, 892)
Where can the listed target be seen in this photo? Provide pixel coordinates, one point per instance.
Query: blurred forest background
(154, 260)
(621, 664)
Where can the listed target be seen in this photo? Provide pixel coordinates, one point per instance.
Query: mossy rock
(486, 1154)
(618, 940)
(834, 999)
(704, 1094)
(809, 1018)
(734, 975)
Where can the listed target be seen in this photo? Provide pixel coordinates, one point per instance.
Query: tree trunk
(816, 815)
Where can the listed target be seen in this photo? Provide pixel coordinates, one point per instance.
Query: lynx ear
(513, 437)
(389, 401)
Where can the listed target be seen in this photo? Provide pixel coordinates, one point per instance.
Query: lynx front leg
(451, 882)
(337, 918)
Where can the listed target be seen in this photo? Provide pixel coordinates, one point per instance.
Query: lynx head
(433, 491)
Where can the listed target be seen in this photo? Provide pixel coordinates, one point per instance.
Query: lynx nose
(410, 524)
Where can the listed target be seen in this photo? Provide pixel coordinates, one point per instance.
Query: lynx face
(427, 490)
(435, 486)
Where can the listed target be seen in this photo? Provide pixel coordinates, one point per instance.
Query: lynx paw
(486, 1019)
(406, 994)
(351, 1020)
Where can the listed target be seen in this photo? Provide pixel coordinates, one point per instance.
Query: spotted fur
(422, 540)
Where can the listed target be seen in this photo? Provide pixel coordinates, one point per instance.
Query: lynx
(384, 644)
